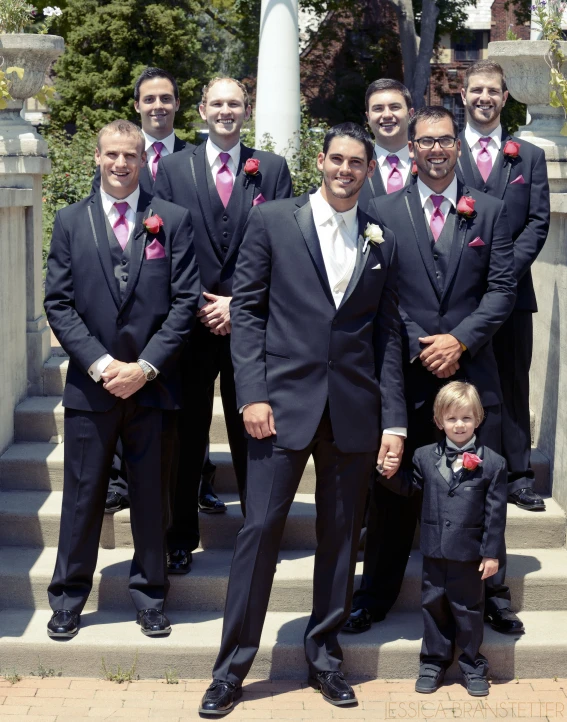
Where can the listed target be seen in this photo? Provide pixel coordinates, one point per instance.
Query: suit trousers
(452, 600)
(147, 436)
(513, 344)
(392, 521)
(274, 474)
(206, 357)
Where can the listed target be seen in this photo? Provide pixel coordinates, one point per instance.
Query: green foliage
(13, 677)
(15, 16)
(513, 114)
(171, 676)
(120, 675)
(44, 672)
(549, 16)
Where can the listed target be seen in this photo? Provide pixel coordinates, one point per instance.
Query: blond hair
(220, 78)
(121, 127)
(458, 394)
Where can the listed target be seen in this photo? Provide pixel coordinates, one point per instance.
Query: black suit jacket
(182, 179)
(293, 348)
(146, 178)
(466, 519)
(83, 305)
(527, 204)
(479, 290)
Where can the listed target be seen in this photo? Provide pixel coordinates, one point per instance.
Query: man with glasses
(456, 288)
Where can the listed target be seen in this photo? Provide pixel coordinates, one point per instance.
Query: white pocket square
(377, 267)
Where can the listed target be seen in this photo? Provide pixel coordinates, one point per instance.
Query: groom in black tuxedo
(457, 287)
(317, 357)
(121, 296)
(218, 182)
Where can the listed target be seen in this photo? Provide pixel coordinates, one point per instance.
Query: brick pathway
(76, 700)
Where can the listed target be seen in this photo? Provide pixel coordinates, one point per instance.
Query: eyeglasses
(427, 143)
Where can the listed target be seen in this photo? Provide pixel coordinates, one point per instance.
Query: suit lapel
(178, 145)
(242, 195)
(417, 220)
(138, 244)
(97, 226)
(304, 218)
(461, 227)
(198, 167)
(468, 167)
(361, 259)
(441, 465)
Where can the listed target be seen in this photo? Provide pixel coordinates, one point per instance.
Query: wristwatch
(149, 372)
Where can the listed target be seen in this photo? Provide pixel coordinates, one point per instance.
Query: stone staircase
(31, 478)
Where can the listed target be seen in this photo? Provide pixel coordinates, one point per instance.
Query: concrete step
(389, 650)
(31, 518)
(537, 579)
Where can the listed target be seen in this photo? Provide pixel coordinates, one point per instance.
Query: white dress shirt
(385, 168)
(168, 144)
(472, 136)
(213, 156)
(97, 368)
(425, 194)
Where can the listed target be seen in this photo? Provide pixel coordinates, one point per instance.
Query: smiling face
(225, 113)
(484, 99)
(458, 423)
(120, 157)
(436, 166)
(157, 107)
(388, 117)
(344, 168)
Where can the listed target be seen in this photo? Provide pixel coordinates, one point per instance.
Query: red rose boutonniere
(511, 149)
(465, 207)
(471, 461)
(153, 223)
(252, 166)
(413, 167)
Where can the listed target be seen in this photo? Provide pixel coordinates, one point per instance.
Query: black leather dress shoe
(211, 504)
(360, 620)
(476, 686)
(505, 621)
(115, 502)
(527, 499)
(179, 561)
(63, 624)
(429, 680)
(153, 623)
(334, 687)
(220, 697)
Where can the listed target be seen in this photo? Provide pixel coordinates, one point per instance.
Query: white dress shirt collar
(473, 136)
(168, 142)
(108, 201)
(450, 192)
(382, 154)
(323, 213)
(213, 152)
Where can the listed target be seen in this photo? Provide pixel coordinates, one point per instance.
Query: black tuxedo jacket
(146, 178)
(463, 520)
(185, 179)
(527, 204)
(374, 188)
(83, 305)
(478, 294)
(293, 348)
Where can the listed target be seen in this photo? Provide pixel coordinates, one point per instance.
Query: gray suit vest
(120, 259)
(441, 249)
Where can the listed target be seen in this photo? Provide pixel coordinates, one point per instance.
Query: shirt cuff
(149, 364)
(397, 431)
(97, 368)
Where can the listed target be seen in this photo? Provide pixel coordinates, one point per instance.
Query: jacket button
(225, 234)
(331, 365)
(451, 493)
(119, 322)
(225, 218)
(447, 523)
(485, 189)
(225, 248)
(435, 256)
(124, 277)
(123, 261)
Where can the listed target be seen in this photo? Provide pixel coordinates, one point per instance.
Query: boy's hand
(391, 462)
(488, 567)
(394, 445)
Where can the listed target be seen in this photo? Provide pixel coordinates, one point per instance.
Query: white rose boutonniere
(372, 234)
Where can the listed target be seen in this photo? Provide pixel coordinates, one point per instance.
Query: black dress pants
(273, 477)
(147, 436)
(513, 344)
(452, 600)
(206, 357)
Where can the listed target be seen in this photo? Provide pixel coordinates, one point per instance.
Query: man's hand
(488, 567)
(452, 369)
(216, 313)
(129, 379)
(393, 446)
(259, 420)
(111, 370)
(442, 352)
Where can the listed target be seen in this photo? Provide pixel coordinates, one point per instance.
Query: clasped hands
(441, 354)
(122, 379)
(216, 314)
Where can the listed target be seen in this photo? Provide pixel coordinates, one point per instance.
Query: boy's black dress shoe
(153, 623)
(360, 620)
(220, 697)
(505, 621)
(211, 504)
(527, 499)
(334, 687)
(476, 686)
(63, 624)
(179, 561)
(429, 680)
(115, 502)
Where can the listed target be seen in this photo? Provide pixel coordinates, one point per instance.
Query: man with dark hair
(218, 182)
(388, 110)
(317, 359)
(457, 287)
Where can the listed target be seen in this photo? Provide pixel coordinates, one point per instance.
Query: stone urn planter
(527, 76)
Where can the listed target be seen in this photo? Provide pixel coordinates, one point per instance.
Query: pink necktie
(158, 147)
(120, 227)
(225, 180)
(484, 159)
(437, 220)
(395, 180)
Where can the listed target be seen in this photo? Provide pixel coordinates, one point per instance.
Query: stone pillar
(277, 96)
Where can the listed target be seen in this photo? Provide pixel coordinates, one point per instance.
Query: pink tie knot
(158, 147)
(484, 142)
(224, 158)
(121, 208)
(437, 200)
(393, 160)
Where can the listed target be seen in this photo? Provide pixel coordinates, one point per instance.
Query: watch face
(150, 376)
